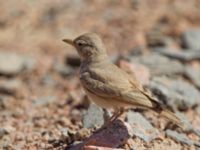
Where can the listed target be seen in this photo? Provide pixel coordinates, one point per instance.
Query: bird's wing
(98, 87)
(125, 94)
(134, 95)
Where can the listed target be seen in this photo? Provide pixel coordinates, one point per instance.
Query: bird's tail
(172, 117)
(159, 108)
(163, 111)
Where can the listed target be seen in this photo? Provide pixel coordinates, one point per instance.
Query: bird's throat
(95, 59)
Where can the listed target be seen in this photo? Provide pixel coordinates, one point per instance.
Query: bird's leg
(110, 120)
(119, 113)
(114, 115)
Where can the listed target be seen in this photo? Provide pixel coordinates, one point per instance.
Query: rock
(193, 75)
(64, 134)
(191, 38)
(137, 51)
(64, 70)
(188, 126)
(93, 117)
(43, 101)
(12, 63)
(115, 135)
(9, 129)
(2, 132)
(6, 130)
(48, 81)
(100, 148)
(159, 65)
(155, 38)
(10, 86)
(177, 94)
(181, 55)
(179, 137)
(189, 92)
(73, 60)
(6, 143)
(141, 126)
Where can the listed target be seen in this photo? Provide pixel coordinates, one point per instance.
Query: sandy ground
(45, 100)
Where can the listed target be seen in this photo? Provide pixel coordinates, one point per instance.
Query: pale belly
(106, 103)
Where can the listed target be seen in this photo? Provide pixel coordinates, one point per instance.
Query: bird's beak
(68, 41)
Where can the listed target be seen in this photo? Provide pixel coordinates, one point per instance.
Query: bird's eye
(81, 43)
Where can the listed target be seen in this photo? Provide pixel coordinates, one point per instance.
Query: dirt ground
(48, 98)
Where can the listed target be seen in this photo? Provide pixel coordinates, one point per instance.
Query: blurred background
(40, 94)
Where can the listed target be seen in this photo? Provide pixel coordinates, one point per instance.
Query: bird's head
(88, 46)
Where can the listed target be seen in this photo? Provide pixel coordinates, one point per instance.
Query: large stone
(159, 65)
(179, 54)
(193, 75)
(191, 38)
(141, 127)
(12, 63)
(93, 117)
(113, 136)
(175, 93)
(100, 148)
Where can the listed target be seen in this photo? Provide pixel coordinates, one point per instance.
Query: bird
(109, 86)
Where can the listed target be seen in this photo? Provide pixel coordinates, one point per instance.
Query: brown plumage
(109, 86)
